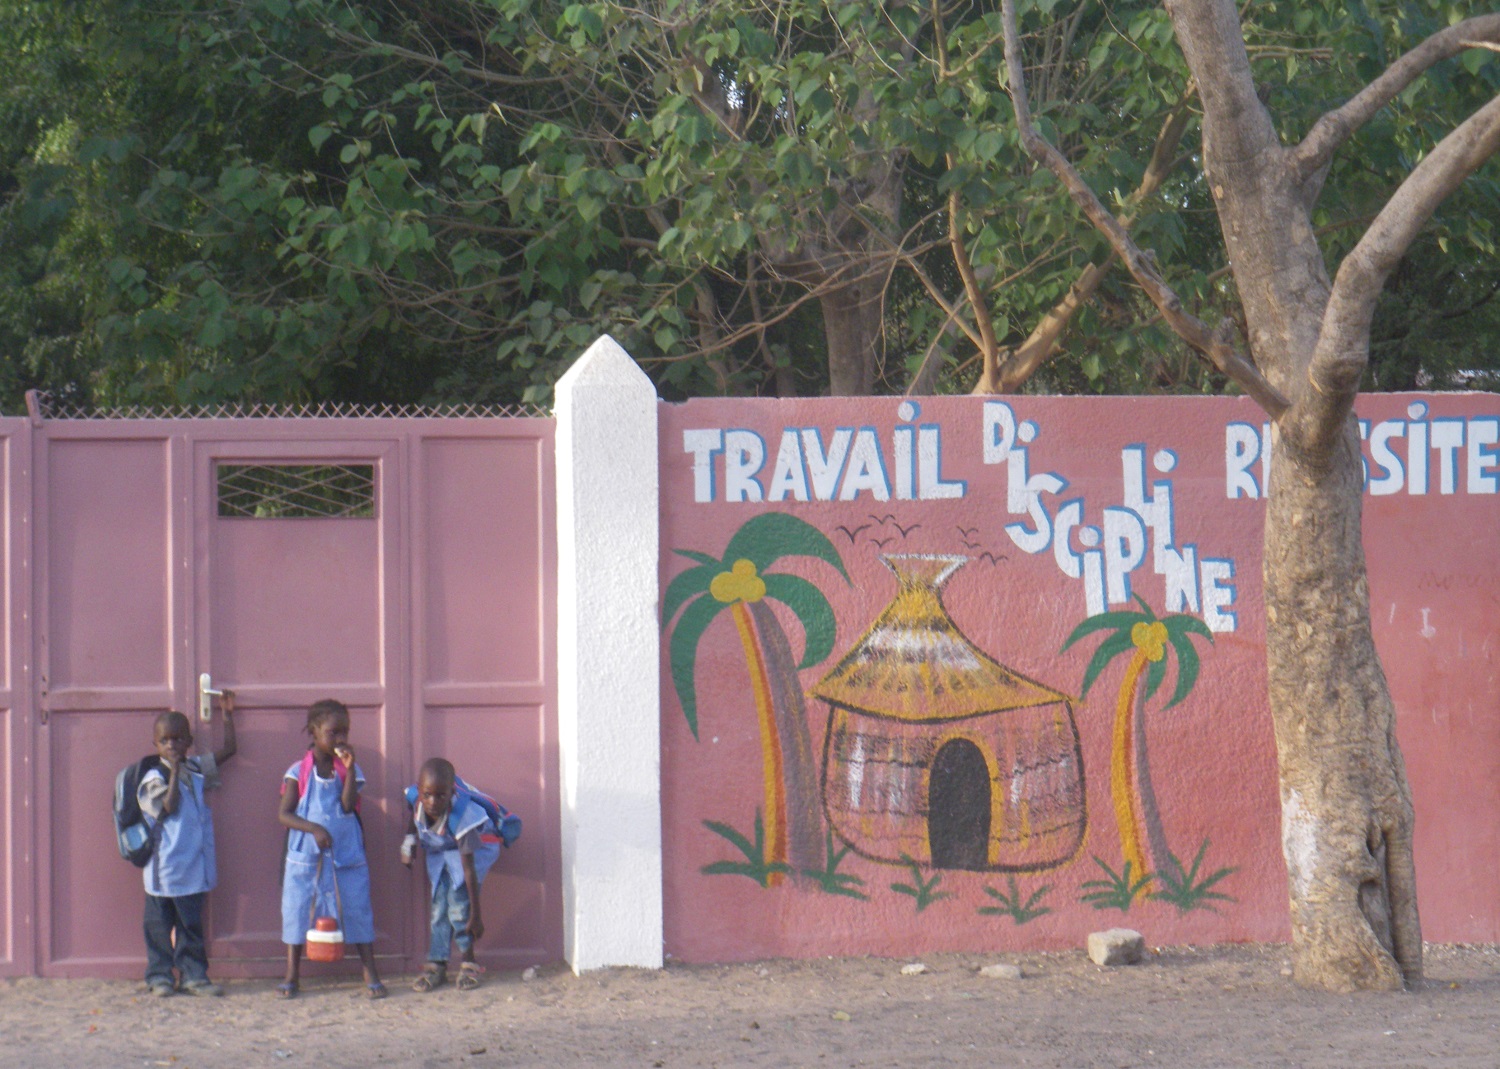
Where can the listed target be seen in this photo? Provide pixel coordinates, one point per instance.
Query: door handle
(206, 696)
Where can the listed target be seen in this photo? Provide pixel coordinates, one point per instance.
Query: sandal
(470, 976)
(375, 989)
(433, 974)
(286, 989)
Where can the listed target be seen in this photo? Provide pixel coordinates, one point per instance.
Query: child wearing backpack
(182, 869)
(325, 851)
(460, 837)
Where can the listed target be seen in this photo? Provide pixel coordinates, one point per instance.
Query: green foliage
(401, 201)
(1012, 905)
(1183, 887)
(1116, 891)
(754, 866)
(923, 892)
(830, 879)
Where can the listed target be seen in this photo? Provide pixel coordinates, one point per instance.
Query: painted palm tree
(1147, 639)
(740, 583)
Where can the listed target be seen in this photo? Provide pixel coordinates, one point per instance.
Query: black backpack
(135, 838)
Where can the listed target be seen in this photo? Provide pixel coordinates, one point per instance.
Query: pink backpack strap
(304, 773)
(304, 770)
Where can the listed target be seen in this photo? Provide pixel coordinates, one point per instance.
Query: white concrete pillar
(609, 692)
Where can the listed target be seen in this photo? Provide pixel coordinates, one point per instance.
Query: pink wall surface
(856, 763)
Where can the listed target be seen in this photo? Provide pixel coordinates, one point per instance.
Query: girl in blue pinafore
(322, 821)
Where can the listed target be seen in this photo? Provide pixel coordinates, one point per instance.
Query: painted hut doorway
(958, 807)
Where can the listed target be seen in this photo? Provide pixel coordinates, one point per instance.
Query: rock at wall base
(1118, 946)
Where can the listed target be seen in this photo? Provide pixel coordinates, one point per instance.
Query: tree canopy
(409, 201)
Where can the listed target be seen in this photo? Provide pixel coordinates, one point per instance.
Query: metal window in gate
(296, 491)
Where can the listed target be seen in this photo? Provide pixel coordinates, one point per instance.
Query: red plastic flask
(325, 942)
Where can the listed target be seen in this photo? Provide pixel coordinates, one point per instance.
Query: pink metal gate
(402, 565)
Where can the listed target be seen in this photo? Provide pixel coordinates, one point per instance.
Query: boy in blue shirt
(182, 869)
(454, 836)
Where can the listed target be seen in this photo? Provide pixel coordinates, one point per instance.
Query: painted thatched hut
(938, 753)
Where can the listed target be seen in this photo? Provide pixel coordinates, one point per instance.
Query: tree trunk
(1346, 810)
(852, 325)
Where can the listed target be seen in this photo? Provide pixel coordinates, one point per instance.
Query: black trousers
(184, 916)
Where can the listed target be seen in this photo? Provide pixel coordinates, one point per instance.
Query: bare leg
(470, 972)
(372, 976)
(288, 988)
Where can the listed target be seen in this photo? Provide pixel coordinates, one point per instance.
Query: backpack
(133, 835)
(503, 825)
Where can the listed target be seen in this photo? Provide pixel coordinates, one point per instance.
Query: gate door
(402, 566)
(297, 597)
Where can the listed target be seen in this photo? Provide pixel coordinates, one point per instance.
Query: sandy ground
(1185, 1008)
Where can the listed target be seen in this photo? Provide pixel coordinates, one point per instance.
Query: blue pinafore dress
(320, 804)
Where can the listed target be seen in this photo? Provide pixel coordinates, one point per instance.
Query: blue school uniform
(461, 832)
(181, 872)
(183, 862)
(301, 881)
(445, 845)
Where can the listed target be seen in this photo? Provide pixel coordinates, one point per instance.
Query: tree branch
(1337, 126)
(1342, 352)
(1043, 340)
(988, 344)
(1209, 33)
(1215, 345)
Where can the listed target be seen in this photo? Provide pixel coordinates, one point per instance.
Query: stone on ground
(1117, 946)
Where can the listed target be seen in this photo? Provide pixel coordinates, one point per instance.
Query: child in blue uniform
(182, 869)
(451, 831)
(325, 856)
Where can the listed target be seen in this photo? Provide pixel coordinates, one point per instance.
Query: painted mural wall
(967, 673)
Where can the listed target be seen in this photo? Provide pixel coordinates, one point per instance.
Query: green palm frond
(1187, 666)
(1123, 620)
(1180, 628)
(761, 540)
(1154, 675)
(688, 585)
(1108, 650)
(1181, 625)
(812, 611)
(684, 653)
(770, 536)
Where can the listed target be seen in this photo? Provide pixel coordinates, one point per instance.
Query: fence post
(609, 694)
